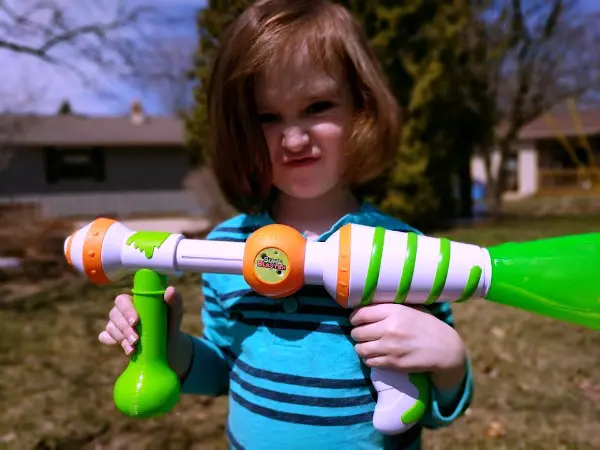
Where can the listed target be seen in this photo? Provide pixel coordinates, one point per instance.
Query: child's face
(304, 114)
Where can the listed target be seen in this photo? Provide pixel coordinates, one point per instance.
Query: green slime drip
(147, 241)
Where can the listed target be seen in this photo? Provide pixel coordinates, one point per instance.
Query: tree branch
(539, 56)
(44, 28)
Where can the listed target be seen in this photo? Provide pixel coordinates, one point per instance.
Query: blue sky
(33, 85)
(592, 5)
(41, 87)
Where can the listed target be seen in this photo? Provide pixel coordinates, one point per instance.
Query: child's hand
(120, 328)
(409, 339)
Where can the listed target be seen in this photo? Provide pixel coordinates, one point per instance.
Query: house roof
(71, 130)
(562, 124)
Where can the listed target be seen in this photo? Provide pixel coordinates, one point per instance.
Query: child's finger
(370, 349)
(172, 297)
(368, 332)
(124, 304)
(117, 317)
(175, 311)
(126, 346)
(375, 312)
(106, 338)
(114, 332)
(112, 336)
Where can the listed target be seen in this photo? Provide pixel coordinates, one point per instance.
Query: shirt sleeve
(448, 405)
(209, 370)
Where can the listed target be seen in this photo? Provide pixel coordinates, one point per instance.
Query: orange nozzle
(274, 260)
(92, 251)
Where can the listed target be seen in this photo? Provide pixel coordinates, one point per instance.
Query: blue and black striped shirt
(289, 366)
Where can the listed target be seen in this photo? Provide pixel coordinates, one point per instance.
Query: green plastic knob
(148, 387)
(417, 411)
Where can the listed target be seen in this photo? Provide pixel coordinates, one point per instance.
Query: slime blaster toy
(358, 265)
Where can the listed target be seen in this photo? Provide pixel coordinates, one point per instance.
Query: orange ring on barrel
(92, 250)
(285, 239)
(342, 290)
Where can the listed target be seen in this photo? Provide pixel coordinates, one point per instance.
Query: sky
(28, 84)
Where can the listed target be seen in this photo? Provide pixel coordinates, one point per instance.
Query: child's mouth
(302, 162)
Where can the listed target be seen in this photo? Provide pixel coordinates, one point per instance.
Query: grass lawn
(537, 380)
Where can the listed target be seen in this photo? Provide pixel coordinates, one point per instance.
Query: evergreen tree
(424, 49)
(212, 20)
(65, 108)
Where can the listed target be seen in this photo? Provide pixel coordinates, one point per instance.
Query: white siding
(528, 171)
(478, 171)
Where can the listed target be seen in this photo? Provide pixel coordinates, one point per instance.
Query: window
(74, 164)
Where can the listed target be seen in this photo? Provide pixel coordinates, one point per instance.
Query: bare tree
(16, 114)
(539, 54)
(100, 32)
(163, 69)
(10, 128)
(85, 37)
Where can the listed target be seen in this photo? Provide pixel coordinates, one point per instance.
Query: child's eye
(318, 107)
(267, 118)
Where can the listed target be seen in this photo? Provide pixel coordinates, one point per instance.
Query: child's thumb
(175, 308)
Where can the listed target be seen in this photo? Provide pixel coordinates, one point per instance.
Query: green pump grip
(148, 387)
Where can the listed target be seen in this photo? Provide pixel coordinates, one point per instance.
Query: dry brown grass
(537, 380)
(57, 379)
(556, 205)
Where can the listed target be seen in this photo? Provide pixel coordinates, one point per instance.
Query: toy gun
(358, 265)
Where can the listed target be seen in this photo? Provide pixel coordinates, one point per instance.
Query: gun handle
(148, 387)
(402, 400)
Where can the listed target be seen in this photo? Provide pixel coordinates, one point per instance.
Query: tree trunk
(498, 186)
(465, 186)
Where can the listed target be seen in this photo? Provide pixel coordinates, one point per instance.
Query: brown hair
(268, 32)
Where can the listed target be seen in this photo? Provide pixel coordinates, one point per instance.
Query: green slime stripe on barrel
(554, 277)
(148, 386)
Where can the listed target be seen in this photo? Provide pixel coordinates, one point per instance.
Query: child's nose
(295, 139)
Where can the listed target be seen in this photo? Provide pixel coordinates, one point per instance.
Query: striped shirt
(289, 366)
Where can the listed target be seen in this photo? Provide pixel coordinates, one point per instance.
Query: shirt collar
(368, 215)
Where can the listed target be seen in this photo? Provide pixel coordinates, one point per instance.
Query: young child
(302, 121)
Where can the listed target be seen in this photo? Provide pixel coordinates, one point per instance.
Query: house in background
(551, 157)
(81, 167)
(77, 166)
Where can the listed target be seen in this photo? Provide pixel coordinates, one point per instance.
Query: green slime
(147, 241)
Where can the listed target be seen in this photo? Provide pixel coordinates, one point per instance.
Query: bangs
(308, 43)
